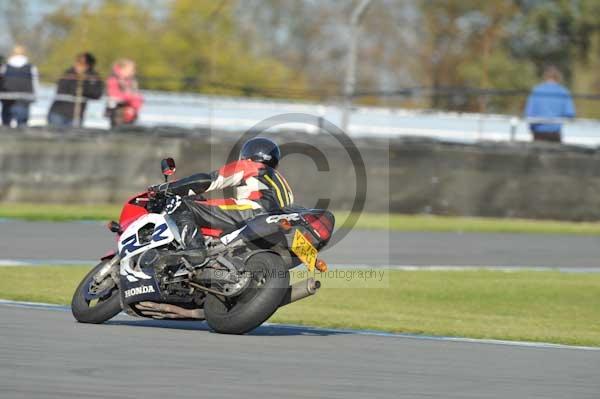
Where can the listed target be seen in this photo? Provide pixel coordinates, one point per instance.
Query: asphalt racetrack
(46, 354)
(89, 240)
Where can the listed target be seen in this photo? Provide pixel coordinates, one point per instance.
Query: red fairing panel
(132, 212)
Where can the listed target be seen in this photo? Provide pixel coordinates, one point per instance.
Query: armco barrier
(403, 175)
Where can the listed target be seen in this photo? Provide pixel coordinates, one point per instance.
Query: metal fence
(239, 113)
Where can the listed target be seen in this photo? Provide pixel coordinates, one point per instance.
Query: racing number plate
(304, 250)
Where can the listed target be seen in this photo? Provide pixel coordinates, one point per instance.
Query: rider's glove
(172, 204)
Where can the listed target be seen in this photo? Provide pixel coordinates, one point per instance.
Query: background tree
(447, 51)
(191, 46)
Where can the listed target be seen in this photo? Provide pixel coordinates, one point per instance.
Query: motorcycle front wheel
(95, 302)
(269, 282)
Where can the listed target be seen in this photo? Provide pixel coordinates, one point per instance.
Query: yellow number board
(304, 250)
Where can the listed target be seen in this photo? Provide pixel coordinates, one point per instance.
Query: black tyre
(94, 304)
(258, 302)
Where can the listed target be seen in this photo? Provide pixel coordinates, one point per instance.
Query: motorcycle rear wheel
(269, 283)
(106, 307)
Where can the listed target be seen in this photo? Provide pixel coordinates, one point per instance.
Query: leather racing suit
(257, 188)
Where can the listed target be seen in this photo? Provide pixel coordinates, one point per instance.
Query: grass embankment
(532, 306)
(52, 212)
(58, 212)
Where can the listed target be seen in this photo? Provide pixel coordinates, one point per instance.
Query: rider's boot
(194, 249)
(193, 240)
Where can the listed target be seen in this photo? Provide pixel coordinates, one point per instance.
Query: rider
(258, 188)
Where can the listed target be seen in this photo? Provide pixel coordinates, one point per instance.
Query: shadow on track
(264, 330)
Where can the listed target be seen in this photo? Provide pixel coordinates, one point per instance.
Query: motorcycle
(243, 281)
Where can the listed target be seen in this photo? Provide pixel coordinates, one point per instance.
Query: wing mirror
(168, 167)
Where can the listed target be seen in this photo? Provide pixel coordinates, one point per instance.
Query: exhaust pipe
(295, 292)
(301, 290)
(168, 311)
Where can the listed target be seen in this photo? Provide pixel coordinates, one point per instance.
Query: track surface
(88, 241)
(46, 354)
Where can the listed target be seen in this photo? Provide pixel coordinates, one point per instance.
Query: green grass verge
(58, 212)
(53, 212)
(431, 223)
(533, 306)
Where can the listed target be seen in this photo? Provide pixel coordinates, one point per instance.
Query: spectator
(19, 85)
(78, 84)
(124, 99)
(2, 62)
(549, 100)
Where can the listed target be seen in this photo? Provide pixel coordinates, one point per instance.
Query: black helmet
(261, 149)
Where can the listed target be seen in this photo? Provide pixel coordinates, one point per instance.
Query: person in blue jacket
(549, 100)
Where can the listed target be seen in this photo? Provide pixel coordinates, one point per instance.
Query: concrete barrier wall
(403, 175)
(525, 180)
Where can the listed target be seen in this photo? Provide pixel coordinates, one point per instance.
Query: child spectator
(124, 99)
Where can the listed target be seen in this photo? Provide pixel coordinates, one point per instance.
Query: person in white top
(19, 85)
